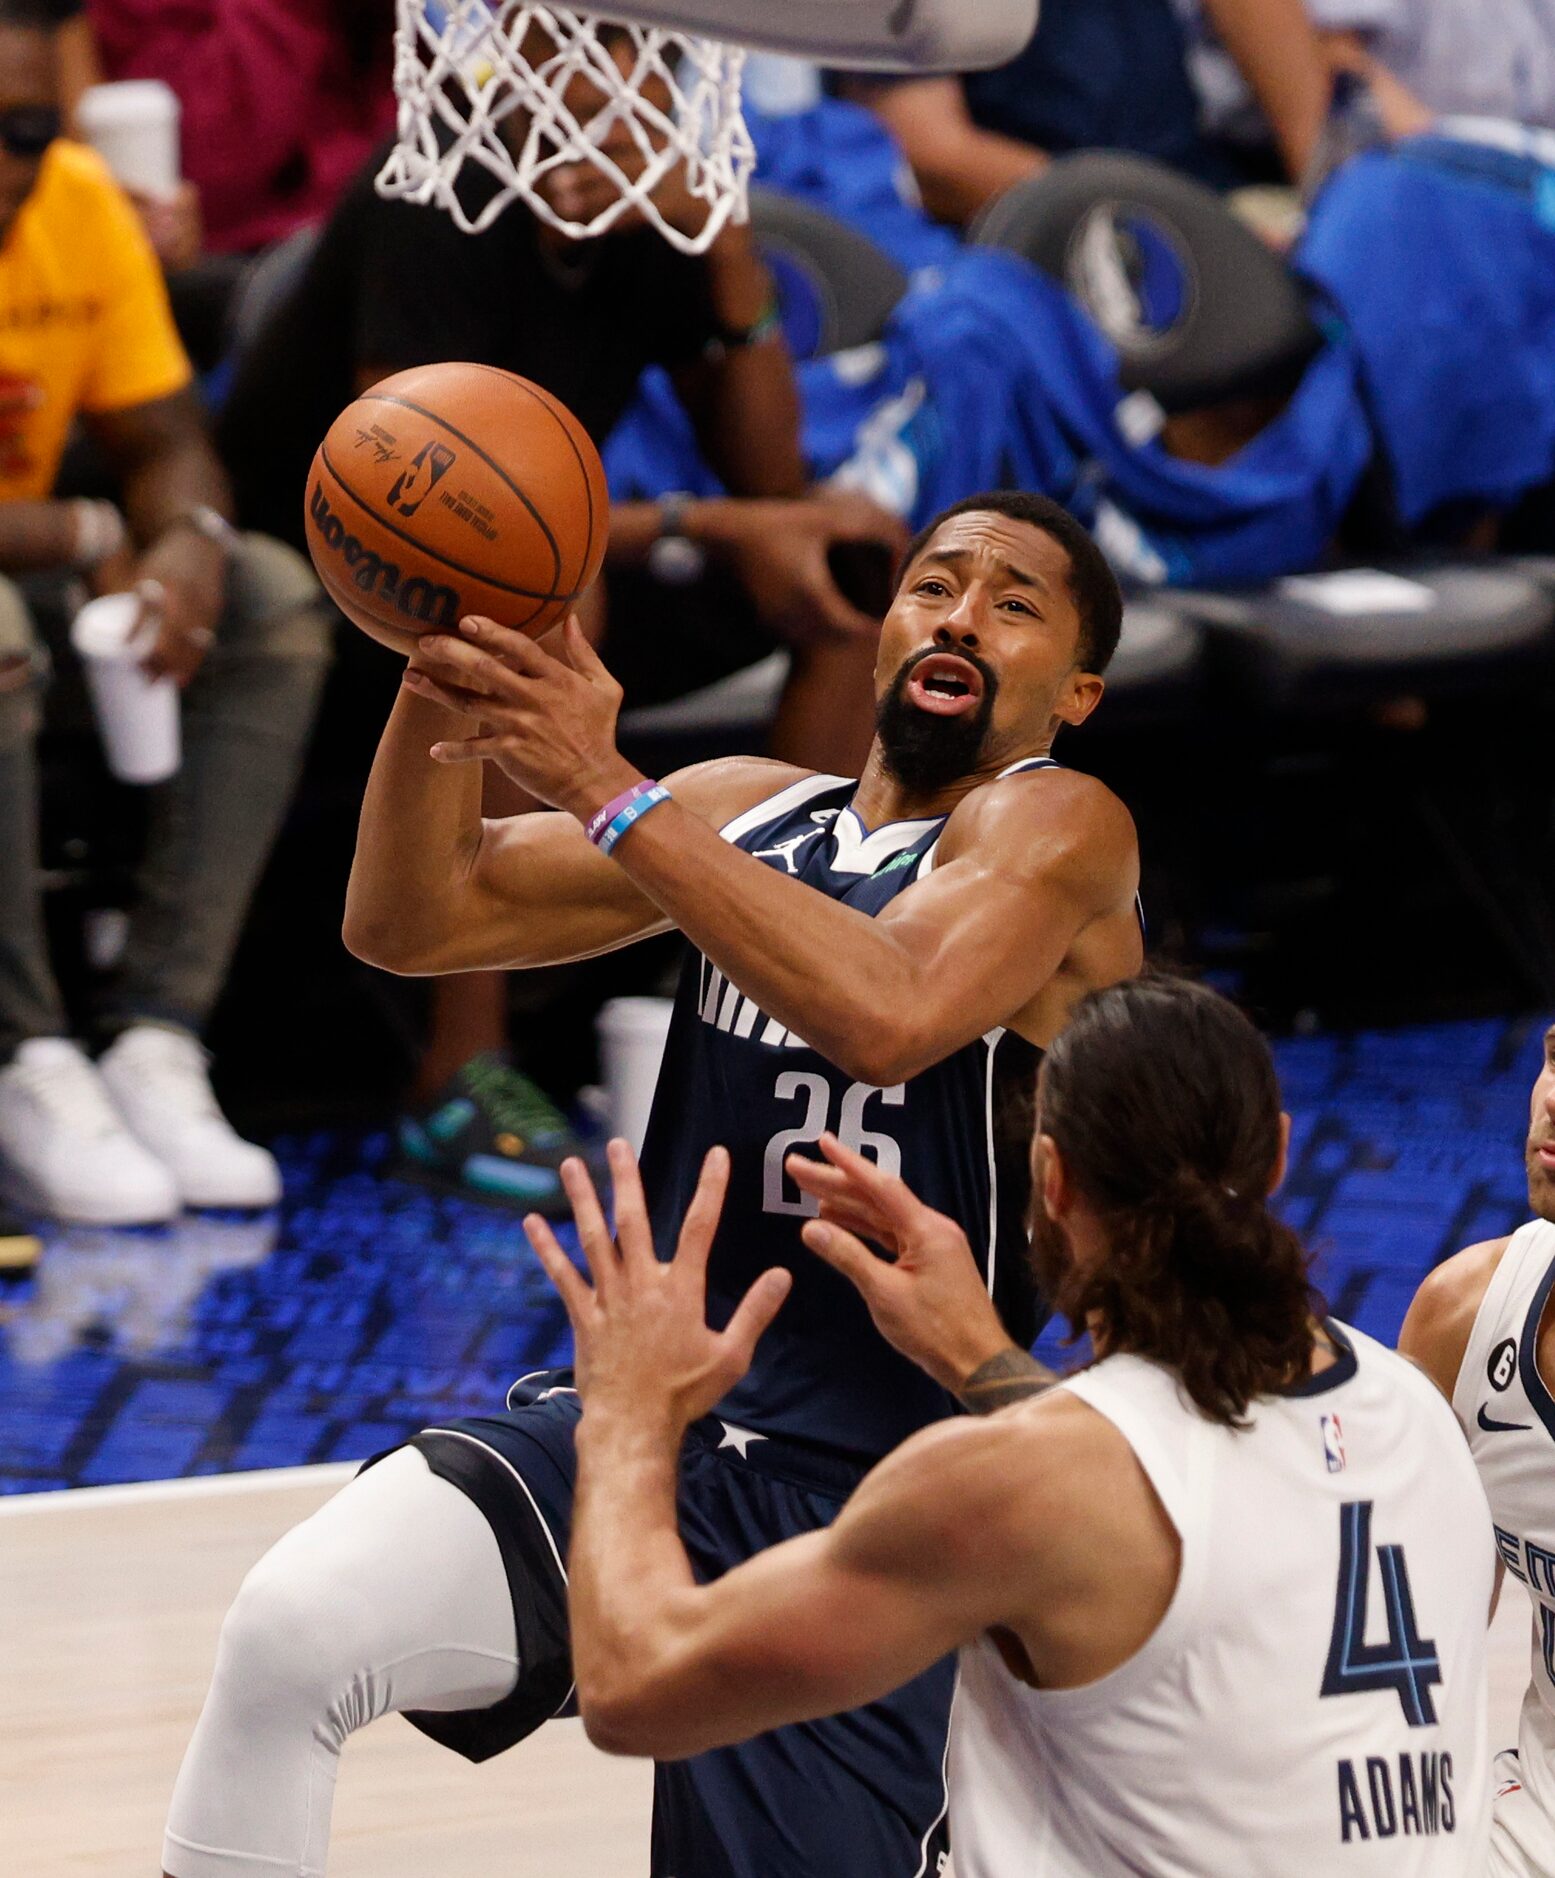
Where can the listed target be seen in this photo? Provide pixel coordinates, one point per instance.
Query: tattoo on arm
(1011, 1376)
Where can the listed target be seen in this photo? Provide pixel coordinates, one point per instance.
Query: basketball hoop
(524, 92)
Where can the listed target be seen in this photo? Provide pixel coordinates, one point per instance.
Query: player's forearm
(416, 841)
(628, 1577)
(825, 971)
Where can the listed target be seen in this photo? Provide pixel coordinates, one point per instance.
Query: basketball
(455, 489)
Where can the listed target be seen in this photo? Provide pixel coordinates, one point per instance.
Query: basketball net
(525, 92)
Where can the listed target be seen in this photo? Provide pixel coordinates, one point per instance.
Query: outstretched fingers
(561, 1271)
(845, 1252)
(634, 1231)
(701, 1222)
(755, 1312)
(871, 1186)
(593, 1233)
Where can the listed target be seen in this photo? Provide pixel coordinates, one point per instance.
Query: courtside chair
(1316, 660)
(1199, 308)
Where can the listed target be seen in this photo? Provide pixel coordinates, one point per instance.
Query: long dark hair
(1162, 1100)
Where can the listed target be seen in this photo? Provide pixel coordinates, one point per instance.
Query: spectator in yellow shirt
(237, 621)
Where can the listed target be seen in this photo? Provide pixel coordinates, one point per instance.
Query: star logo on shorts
(739, 1439)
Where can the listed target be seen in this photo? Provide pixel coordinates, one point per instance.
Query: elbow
(626, 1719)
(885, 1058)
(383, 942)
(616, 1729)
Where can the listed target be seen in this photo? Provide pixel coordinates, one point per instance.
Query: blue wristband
(633, 812)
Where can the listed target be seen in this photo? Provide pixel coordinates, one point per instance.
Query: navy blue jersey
(959, 1134)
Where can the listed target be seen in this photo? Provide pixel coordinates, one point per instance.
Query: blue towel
(1440, 257)
(989, 374)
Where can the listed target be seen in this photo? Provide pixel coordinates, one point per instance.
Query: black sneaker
(20, 1246)
(493, 1134)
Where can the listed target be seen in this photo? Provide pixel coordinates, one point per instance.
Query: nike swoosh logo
(1492, 1427)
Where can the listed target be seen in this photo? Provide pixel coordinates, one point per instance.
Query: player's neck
(882, 797)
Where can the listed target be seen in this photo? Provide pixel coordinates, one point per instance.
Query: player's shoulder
(1060, 804)
(1041, 822)
(1440, 1320)
(1056, 1445)
(728, 786)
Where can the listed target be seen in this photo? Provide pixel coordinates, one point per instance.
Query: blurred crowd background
(1264, 290)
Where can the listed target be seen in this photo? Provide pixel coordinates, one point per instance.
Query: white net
(586, 121)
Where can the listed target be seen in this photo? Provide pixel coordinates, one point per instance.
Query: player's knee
(287, 1643)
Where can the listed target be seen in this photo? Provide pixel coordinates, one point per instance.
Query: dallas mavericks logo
(428, 467)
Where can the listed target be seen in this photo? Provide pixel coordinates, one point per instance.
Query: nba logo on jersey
(1333, 1443)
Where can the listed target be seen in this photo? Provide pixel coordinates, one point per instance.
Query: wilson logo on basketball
(418, 599)
(428, 467)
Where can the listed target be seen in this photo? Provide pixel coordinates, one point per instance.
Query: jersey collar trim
(860, 850)
(1336, 1375)
(1534, 1386)
(855, 844)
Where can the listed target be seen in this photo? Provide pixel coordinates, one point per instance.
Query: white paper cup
(631, 1037)
(137, 716)
(133, 127)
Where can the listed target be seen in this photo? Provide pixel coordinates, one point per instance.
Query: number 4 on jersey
(1404, 1660)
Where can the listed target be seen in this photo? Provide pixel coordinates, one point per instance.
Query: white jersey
(1314, 1699)
(1509, 1417)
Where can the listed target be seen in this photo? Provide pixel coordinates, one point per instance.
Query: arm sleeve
(138, 356)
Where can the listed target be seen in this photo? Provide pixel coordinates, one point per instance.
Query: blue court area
(369, 1306)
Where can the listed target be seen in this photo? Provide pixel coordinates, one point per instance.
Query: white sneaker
(64, 1148)
(158, 1078)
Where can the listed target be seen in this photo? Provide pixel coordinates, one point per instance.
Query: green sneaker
(492, 1134)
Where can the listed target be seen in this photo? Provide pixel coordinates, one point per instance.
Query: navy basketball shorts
(860, 1795)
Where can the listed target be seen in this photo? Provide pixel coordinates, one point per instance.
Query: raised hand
(547, 710)
(644, 1346)
(927, 1296)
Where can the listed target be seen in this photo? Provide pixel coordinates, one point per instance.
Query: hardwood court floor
(110, 1600)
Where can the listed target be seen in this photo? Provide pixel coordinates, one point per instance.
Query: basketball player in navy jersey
(884, 959)
(1481, 1325)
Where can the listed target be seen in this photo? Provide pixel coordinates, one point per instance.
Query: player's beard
(926, 753)
(1541, 1187)
(1052, 1263)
